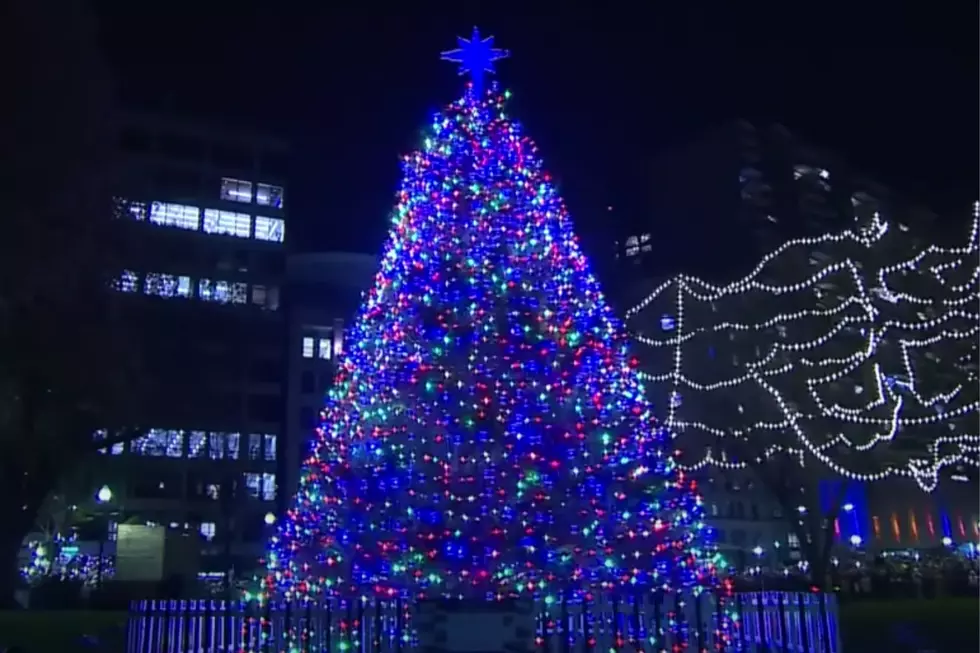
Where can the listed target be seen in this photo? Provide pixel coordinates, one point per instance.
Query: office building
(203, 214)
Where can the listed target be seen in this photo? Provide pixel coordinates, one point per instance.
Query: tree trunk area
(793, 487)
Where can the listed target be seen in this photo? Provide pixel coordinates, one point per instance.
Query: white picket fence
(747, 622)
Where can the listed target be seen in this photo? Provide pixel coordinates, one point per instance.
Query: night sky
(600, 90)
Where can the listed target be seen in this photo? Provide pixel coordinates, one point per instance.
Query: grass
(943, 625)
(59, 631)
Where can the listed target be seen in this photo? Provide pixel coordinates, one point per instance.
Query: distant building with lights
(739, 191)
(324, 293)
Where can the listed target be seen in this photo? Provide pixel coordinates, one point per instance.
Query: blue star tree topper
(475, 56)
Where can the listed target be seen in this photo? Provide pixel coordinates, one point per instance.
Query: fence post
(783, 627)
(564, 630)
(804, 609)
(587, 625)
(399, 624)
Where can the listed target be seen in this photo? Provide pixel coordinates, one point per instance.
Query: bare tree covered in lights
(849, 356)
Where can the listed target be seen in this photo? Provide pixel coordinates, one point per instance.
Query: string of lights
(856, 349)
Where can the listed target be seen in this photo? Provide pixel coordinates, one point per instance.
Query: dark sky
(599, 85)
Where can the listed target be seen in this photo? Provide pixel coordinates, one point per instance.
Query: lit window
(236, 190)
(253, 484)
(268, 487)
(270, 446)
(127, 281)
(181, 216)
(217, 221)
(137, 210)
(324, 349)
(167, 285)
(208, 530)
(175, 444)
(196, 444)
(216, 446)
(155, 443)
(233, 440)
(307, 347)
(254, 446)
(272, 229)
(116, 449)
(222, 292)
(338, 337)
(269, 195)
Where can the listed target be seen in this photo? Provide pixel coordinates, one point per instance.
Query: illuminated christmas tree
(850, 357)
(487, 434)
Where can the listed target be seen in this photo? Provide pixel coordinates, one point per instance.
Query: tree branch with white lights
(853, 352)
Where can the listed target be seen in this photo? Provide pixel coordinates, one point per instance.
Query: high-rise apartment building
(203, 214)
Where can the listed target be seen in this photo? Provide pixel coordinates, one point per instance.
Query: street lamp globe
(104, 495)
(270, 519)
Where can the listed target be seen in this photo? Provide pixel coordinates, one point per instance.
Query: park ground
(945, 625)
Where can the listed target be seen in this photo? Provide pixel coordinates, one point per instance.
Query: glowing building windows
(308, 345)
(216, 221)
(196, 444)
(269, 448)
(637, 244)
(167, 285)
(268, 487)
(208, 530)
(233, 444)
(236, 190)
(137, 210)
(222, 292)
(227, 222)
(253, 484)
(116, 449)
(128, 281)
(260, 486)
(271, 229)
(325, 348)
(269, 195)
(254, 446)
(216, 446)
(159, 443)
(181, 216)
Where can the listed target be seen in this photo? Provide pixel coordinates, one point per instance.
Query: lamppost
(103, 496)
(757, 551)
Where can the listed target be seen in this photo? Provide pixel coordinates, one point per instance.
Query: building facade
(323, 295)
(737, 192)
(202, 212)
